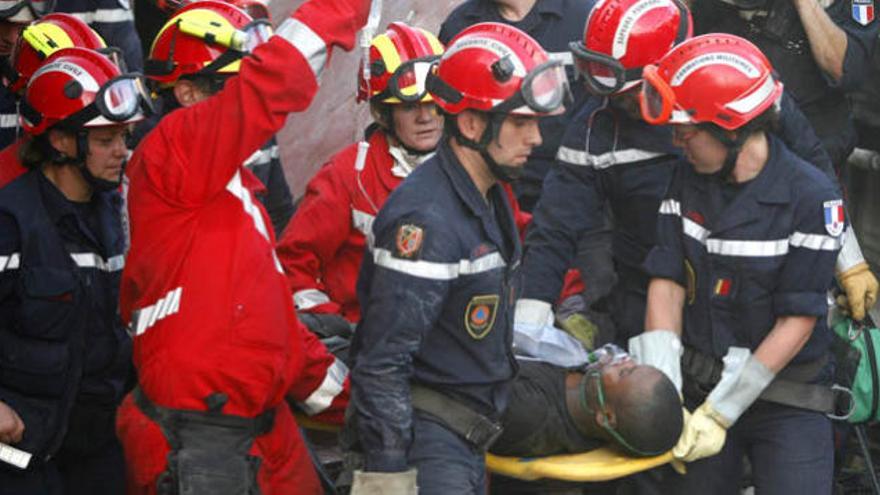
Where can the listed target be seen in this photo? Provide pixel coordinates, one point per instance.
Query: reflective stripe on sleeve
(8, 120)
(604, 160)
(10, 262)
(333, 385)
(239, 191)
(143, 319)
(438, 271)
(92, 260)
(309, 298)
(262, 156)
(816, 242)
(362, 221)
(312, 46)
(670, 207)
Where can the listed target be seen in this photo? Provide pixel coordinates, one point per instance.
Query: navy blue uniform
(780, 34)
(266, 165)
(114, 21)
(65, 358)
(553, 24)
(628, 167)
(747, 255)
(9, 128)
(437, 293)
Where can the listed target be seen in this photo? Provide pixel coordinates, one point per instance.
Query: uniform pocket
(49, 308)
(36, 368)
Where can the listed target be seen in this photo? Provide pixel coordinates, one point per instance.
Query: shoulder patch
(863, 11)
(834, 217)
(479, 317)
(408, 241)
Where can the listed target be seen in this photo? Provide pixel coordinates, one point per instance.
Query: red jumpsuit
(10, 165)
(323, 246)
(208, 304)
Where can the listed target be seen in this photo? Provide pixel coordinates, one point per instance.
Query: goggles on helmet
(595, 374)
(656, 100)
(241, 40)
(603, 74)
(543, 90)
(38, 8)
(408, 82)
(118, 100)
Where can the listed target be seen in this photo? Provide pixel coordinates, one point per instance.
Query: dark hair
(649, 417)
(767, 121)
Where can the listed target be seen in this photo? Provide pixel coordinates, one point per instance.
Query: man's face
(417, 125)
(518, 135)
(705, 153)
(9, 32)
(107, 152)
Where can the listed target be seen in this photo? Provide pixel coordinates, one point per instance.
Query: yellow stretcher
(601, 464)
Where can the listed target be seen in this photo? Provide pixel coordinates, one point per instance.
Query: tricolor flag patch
(863, 11)
(834, 217)
(722, 287)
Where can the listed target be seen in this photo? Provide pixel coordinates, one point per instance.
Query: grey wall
(334, 120)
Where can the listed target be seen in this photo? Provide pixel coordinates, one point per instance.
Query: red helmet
(257, 9)
(78, 87)
(494, 67)
(43, 38)
(715, 78)
(622, 36)
(399, 62)
(204, 37)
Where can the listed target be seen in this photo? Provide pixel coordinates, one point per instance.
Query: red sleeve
(323, 388)
(10, 166)
(320, 226)
(521, 218)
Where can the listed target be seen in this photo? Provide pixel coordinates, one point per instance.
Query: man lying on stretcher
(607, 400)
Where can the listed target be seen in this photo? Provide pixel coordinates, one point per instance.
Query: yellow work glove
(581, 328)
(703, 436)
(861, 289)
(677, 464)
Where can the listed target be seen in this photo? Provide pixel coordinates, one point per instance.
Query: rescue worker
(65, 356)
(322, 250)
(217, 345)
(432, 354)
(553, 24)
(265, 163)
(747, 239)
(114, 21)
(822, 50)
(610, 156)
(13, 18)
(38, 41)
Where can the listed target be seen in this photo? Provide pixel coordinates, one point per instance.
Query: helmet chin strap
(504, 173)
(82, 150)
(734, 146)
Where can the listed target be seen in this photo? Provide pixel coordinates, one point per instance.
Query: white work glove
(854, 276)
(661, 349)
(742, 381)
(534, 336)
(375, 483)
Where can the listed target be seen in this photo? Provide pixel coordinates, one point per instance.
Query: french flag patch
(834, 217)
(863, 11)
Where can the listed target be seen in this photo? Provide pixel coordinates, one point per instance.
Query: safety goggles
(38, 8)
(595, 374)
(241, 40)
(408, 82)
(656, 100)
(119, 100)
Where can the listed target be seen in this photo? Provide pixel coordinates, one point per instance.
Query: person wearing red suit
(217, 345)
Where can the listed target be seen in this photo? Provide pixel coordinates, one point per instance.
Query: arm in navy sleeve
(808, 271)
(402, 299)
(666, 258)
(797, 133)
(571, 203)
(861, 42)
